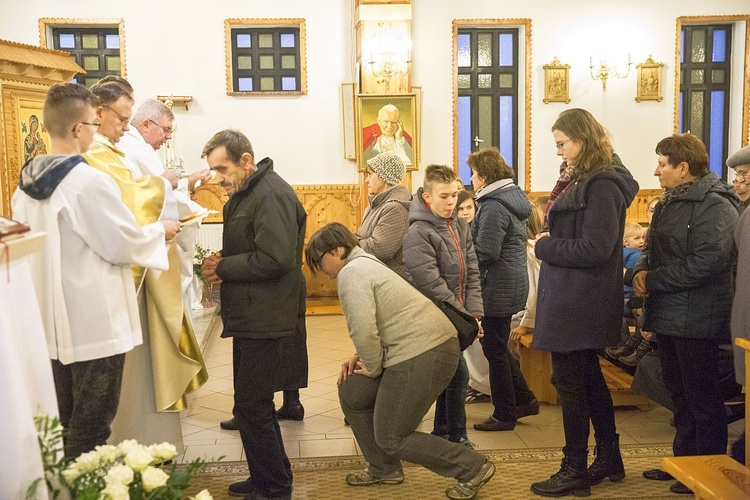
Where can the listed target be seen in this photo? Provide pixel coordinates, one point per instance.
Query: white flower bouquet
(123, 472)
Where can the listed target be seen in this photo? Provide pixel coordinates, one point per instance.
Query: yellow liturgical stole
(176, 360)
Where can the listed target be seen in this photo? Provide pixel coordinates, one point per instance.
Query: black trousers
(583, 395)
(690, 371)
(255, 371)
(88, 393)
(509, 388)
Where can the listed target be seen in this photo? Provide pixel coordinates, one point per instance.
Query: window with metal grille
(266, 59)
(97, 50)
(705, 69)
(488, 90)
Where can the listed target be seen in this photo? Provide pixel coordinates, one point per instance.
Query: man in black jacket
(260, 271)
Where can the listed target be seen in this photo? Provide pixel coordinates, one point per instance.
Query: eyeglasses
(561, 144)
(123, 119)
(95, 125)
(165, 129)
(319, 260)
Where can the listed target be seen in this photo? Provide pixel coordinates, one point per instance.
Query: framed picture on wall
(556, 82)
(649, 81)
(31, 130)
(347, 108)
(387, 123)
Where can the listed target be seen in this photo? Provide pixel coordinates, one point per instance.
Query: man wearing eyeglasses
(740, 162)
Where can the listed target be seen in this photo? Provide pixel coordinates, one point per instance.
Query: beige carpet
(323, 478)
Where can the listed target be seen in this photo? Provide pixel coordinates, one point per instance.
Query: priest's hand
(208, 268)
(200, 176)
(171, 177)
(171, 228)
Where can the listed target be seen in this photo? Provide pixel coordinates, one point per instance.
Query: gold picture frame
(556, 82)
(347, 108)
(649, 81)
(369, 131)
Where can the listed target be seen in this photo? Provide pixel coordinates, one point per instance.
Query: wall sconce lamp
(605, 72)
(387, 68)
(389, 47)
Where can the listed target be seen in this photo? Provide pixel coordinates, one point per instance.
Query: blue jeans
(384, 413)
(450, 411)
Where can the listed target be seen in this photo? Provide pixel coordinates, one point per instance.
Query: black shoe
(572, 478)
(530, 408)
(680, 489)
(632, 360)
(291, 412)
(491, 424)
(658, 475)
(229, 425)
(608, 462)
(240, 489)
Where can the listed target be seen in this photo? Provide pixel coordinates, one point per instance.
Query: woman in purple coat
(580, 297)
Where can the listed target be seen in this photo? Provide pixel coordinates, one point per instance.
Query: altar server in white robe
(83, 276)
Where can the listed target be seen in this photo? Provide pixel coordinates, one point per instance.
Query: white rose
(163, 451)
(116, 491)
(203, 495)
(153, 478)
(138, 459)
(107, 453)
(127, 446)
(119, 474)
(70, 474)
(88, 461)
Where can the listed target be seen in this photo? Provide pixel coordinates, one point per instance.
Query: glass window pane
(112, 41)
(506, 81)
(682, 129)
(287, 40)
(485, 81)
(244, 62)
(682, 45)
(698, 46)
(484, 49)
(267, 84)
(682, 76)
(112, 63)
(716, 131)
(720, 46)
(464, 136)
(67, 41)
(485, 120)
(717, 76)
(696, 76)
(245, 84)
(244, 42)
(464, 51)
(91, 63)
(505, 49)
(265, 41)
(506, 129)
(266, 62)
(288, 62)
(696, 114)
(90, 82)
(90, 41)
(288, 83)
(464, 81)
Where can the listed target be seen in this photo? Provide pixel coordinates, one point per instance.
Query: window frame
(523, 131)
(265, 23)
(46, 24)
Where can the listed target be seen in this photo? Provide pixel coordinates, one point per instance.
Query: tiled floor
(323, 433)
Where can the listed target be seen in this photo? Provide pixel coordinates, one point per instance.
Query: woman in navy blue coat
(580, 297)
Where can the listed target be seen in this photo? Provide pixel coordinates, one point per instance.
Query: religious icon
(33, 143)
(556, 82)
(387, 123)
(649, 81)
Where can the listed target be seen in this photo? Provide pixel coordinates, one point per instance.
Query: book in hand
(10, 228)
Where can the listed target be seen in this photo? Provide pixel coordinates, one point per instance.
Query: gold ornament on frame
(556, 82)
(649, 81)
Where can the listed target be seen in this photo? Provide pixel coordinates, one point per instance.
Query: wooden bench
(536, 367)
(717, 477)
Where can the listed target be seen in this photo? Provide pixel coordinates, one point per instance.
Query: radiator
(210, 236)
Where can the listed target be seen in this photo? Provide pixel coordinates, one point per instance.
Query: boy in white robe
(82, 278)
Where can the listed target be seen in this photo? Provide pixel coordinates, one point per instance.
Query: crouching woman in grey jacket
(407, 352)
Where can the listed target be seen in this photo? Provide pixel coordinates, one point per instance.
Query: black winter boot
(608, 462)
(572, 478)
(625, 349)
(292, 409)
(632, 360)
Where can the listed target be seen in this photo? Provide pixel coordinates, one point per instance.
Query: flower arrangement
(200, 255)
(128, 471)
